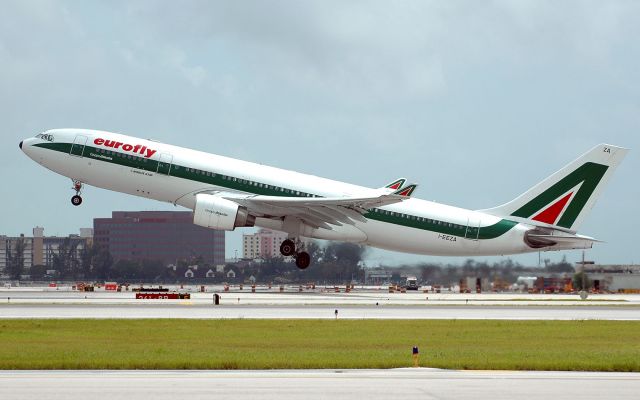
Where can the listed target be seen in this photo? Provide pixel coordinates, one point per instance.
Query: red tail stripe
(551, 213)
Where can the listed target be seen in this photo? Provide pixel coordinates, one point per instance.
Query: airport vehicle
(412, 283)
(226, 193)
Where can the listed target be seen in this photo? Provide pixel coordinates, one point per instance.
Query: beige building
(9, 246)
(250, 246)
(263, 244)
(39, 249)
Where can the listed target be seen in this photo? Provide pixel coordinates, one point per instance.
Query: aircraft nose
(20, 145)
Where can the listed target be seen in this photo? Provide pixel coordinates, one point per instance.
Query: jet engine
(218, 213)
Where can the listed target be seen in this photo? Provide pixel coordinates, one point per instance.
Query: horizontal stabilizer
(557, 240)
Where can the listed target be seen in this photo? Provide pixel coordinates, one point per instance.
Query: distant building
(376, 276)
(250, 246)
(40, 249)
(9, 248)
(51, 245)
(613, 278)
(263, 244)
(166, 236)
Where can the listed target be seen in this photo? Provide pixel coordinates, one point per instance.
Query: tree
(87, 257)
(270, 268)
(151, 270)
(125, 269)
(15, 259)
(38, 272)
(102, 263)
(66, 262)
(561, 267)
(342, 262)
(578, 279)
(431, 273)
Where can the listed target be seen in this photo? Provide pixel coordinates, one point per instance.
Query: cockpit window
(45, 136)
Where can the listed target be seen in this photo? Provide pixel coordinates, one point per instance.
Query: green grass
(271, 344)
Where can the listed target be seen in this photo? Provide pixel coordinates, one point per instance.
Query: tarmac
(419, 383)
(186, 309)
(297, 295)
(362, 303)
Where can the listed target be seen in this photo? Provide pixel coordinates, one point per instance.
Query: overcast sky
(475, 101)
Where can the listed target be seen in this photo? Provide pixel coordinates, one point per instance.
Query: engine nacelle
(218, 213)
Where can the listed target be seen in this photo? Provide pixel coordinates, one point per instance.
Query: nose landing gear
(288, 248)
(77, 200)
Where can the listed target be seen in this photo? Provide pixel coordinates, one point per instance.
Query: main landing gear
(77, 200)
(288, 248)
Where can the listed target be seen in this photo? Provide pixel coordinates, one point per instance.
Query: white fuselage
(459, 232)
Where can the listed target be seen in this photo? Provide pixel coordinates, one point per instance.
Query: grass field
(275, 344)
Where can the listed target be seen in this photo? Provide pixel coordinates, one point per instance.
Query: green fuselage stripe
(234, 183)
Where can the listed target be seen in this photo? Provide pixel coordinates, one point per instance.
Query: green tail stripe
(589, 173)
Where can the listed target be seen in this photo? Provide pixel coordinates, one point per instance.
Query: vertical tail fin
(566, 197)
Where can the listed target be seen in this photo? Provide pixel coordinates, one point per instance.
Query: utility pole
(583, 293)
(539, 259)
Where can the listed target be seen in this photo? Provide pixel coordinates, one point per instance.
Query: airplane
(225, 193)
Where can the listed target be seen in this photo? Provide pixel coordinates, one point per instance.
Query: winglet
(407, 191)
(397, 184)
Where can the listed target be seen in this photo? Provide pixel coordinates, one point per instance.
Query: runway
(363, 303)
(365, 296)
(422, 383)
(187, 309)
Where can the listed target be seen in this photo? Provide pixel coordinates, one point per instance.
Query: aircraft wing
(319, 212)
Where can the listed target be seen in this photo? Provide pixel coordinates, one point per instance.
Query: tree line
(335, 263)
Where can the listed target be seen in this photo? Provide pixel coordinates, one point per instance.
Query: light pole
(583, 292)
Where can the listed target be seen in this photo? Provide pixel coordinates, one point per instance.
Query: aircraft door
(164, 164)
(473, 227)
(77, 148)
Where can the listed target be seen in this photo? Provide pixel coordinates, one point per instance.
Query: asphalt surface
(186, 309)
(362, 303)
(419, 383)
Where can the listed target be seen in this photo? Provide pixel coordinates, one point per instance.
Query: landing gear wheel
(77, 186)
(303, 260)
(288, 248)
